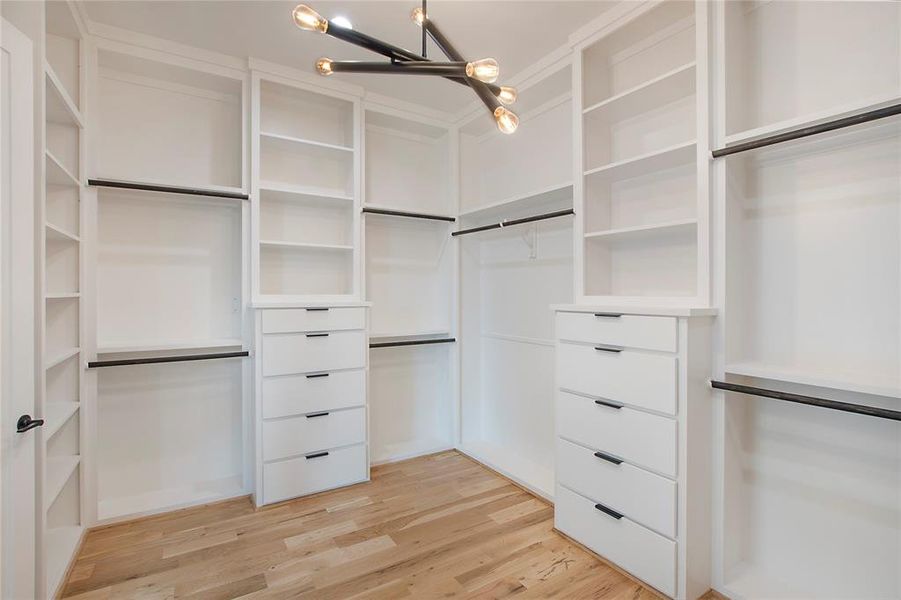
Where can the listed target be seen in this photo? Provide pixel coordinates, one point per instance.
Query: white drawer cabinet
(639, 437)
(634, 437)
(301, 394)
(287, 353)
(314, 473)
(627, 376)
(289, 320)
(645, 554)
(311, 407)
(644, 497)
(313, 432)
(627, 331)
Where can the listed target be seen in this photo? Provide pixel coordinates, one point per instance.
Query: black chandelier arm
(487, 95)
(367, 42)
(400, 68)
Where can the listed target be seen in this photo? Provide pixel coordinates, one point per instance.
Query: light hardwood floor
(432, 527)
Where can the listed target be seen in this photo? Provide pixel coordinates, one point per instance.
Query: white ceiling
(516, 33)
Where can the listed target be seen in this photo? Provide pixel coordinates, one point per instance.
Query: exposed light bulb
(485, 70)
(507, 122)
(507, 94)
(308, 19)
(418, 16)
(342, 22)
(324, 66)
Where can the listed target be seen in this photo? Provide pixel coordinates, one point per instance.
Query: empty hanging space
(509, 277)
(815, 251)
(168, 435)
(166, 123)
(409, 279)
(794, 63)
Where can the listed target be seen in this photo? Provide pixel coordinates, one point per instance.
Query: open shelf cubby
(791, 61)
(639, 159)
(306, 194)
(168, 268)
(190, 123)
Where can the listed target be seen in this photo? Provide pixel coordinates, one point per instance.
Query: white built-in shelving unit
(169, 277)
(510, 276)
(811, 280)
(640, 183)
(306, 174)
(60, 396)
(410, 273)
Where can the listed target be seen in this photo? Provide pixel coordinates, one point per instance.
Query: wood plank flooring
(440, 526)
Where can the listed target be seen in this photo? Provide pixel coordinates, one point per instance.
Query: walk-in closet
(446, 299)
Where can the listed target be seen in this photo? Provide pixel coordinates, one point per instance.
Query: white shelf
(289, 191)
(808, 120)
(660, 160)
(303, 245)
(534, 477)
(60, 544)
(59, 105)
(884, 386)
(670, 86)
(62, 296)
(57, 414)
(59, 357)
(156, 346)
(58, 234)
(643, 231)
(287, 142)
(58, 471)
(57, 174)
(158, 501)
(423, 334)
(558, 192)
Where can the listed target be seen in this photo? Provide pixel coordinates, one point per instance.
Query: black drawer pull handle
(317, 375)
(608, 349)
(316, 309)
(314, 415)
(317, 335)
(610, 404)
(609, 511)
(609, 458)
(317, 455)
(608, 315)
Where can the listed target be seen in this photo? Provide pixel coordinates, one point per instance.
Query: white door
(17, 450)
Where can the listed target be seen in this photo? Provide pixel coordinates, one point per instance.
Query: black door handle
(26, 423)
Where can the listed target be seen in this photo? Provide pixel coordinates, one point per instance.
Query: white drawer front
(301, 476)
(287, 320)
(628, 331)
(300, 394)
(284, 354)
(639, 438)
(644, 380)
(642, 496)
(313, 432)
(640, 551)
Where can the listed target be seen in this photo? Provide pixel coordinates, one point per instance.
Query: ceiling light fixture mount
(479, 75)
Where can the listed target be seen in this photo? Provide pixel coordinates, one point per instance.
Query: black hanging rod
(412, 215)
(168, 189)
(508, 223)
(165, 359)
(870, 411)
(865, 117)
(411, 343)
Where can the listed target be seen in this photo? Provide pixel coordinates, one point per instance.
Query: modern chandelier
(479, 75)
